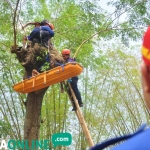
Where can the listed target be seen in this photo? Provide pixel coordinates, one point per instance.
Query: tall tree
(78, 26)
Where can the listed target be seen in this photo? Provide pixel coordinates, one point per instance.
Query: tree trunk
(33, 115)
(33, 57)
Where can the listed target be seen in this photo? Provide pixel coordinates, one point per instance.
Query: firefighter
(74, 80)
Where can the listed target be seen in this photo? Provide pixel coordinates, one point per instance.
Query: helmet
(51, 26)
(47, 22)
(65, 52)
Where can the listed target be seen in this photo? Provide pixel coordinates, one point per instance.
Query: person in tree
(74, 80)
(140, 139)
(41, 33)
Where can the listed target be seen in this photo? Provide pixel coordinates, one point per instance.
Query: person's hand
(25, 38)
(145, 72)
(23, 27)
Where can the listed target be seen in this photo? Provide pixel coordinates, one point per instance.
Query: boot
(80, 103)
(74, 107)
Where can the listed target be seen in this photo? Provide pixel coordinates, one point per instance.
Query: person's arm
(30, 23)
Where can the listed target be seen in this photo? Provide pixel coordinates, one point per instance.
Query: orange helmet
(47, 22)
(51, 26)
(65, 52)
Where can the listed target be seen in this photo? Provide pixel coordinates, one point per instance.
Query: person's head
(65, 54)
(145, 67)
(47, 23)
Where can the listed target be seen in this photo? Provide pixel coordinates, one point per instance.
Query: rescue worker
(46, 34)
(74, 80)
(140, 139)
(42, 32)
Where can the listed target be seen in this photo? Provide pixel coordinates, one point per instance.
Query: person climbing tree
(41, 33)
(74, 80)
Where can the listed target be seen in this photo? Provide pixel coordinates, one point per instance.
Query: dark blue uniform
(41, 35)
(74, 85)
(136, 141)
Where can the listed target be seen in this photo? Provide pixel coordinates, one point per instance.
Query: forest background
(108, 44)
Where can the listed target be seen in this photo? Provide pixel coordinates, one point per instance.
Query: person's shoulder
(46, 27)
(36, 29)
(137, 142)
(71, 60)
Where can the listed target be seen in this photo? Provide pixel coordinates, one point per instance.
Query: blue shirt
(44, 28)
(138, 140)
(36, 32)
(71, 60)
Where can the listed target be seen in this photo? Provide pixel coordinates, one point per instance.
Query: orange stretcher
(49, 77)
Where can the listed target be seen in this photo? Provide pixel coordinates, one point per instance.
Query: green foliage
(45, 67)
(110, 83)
(135, 16)
(12, 109)
(115, 96)
(4, 128)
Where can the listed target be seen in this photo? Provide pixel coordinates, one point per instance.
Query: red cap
(146, 47)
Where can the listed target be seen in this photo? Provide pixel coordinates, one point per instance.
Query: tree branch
(14, 23)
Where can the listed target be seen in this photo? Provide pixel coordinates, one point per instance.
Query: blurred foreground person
(140, 140)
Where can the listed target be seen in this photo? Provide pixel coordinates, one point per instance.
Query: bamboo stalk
(81, 119)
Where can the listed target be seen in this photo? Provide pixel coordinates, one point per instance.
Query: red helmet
(65, 52)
